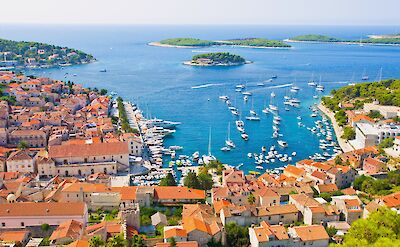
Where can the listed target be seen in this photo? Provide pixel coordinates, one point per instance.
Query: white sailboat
(252, 111)
(208, 158)
(364, 76)
(312, 83)
(228, 141)
(320, 87)
(272, 107)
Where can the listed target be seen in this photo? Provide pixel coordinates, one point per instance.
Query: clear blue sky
(263, 12)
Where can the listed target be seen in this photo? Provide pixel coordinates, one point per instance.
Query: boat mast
(209, 143)
(229, 131)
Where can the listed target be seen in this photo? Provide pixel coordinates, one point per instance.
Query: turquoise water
(154, 77)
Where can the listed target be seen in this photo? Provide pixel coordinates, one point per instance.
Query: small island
(216, 59)
(391, 39)
(23, 54)
(195, 43)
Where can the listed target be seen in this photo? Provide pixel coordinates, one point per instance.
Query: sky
(202, 12)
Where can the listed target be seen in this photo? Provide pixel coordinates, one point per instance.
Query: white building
(387, 111)
(372, 134)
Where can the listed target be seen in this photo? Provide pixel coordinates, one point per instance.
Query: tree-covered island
(372, 39)
(246, 42)
(24, 54)
(216, 59)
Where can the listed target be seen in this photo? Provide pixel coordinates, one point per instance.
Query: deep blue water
(154, 77)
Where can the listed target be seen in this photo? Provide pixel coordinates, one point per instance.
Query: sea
(155, 79)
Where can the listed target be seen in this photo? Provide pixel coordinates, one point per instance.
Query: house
(135, 144)
(179, 244)
(268, 197)
(267, 235)
(374, 166)
(301, 201)
(200, 223)
(314, 235)
(177, 195)
(176, 232)
(320, 214)
(158, 219)
(67, 232)
(293, 171)
(21, 161)
(241, 215)
(349, 206)
(285, 214)
(85, 159)
(34, 138)
(233, 177)
(360, 118)
(391, 201)
(326, 188)
(14, 237)
(29, 214)
(372, 134)
(79, 243)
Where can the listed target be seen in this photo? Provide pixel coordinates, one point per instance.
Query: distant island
(391, 39)
(216, 59)
(246, 42)
(23, 54)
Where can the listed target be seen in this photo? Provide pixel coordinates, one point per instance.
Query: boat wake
(280, 86)
(201, 51)
(206, 85)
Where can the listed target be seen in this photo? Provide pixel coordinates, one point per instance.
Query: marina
(191, 95)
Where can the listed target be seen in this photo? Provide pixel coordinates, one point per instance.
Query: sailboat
(208, 158)
(364, 76)
(228, 141)
(312, 83)
(265, 110)
(252, 111)
(320, 87)
(272, 107)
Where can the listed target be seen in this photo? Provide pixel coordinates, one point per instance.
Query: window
(3, 224)
(22, 224)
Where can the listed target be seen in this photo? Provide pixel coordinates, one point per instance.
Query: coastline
(191, 63)
(344, 145)
(338, 42)
(173, 46)
(219, 41)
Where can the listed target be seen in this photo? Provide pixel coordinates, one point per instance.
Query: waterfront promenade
(344, 145)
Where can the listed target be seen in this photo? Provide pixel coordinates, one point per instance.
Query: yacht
(163, 123)
(253, 118)
(260, 84)
(274, 76)
(275, 134)
(245, 98)
(320, 88)
(225, 149)
(364, 76)
(241, 86)
(273, 107)
(278, 118)
(282, 143)
(312, 84)
(245, 136)
(247, 93)
(223, 97)
(265, 110)
(294, 89)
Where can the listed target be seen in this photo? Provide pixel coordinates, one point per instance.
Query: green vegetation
(348, 133)
(124, 118)
(386, 92)
(100, 215)
(40, 54)
(168, 180)
(375, 114)
(187, 42)
(381, 228)
(386, 143)
(331, 231)
(341, 117)
(237, 236)
(324, 38)
(174, 215)
(203, 181)
(45, 242)
(315, 38)
(251, 199)
(327, 196)
(254, 42)
(137, 241)
(216, 58)
(378, 186)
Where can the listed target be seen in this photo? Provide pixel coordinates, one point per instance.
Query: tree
(205, 181)
(374, 114)
(96, 241)
(331, 231)
(381, 228)
(137, 241)
(386, 143)
(168, 180)
(23, 145)
(116, 241)
(237, 236)
(251, 199)
(191, 180)
(338, 160)
(172, 242)
(103, 91)
(348, 133)
(45, 227)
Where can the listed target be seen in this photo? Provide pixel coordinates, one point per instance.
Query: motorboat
(252, 118)
(223, 97)
(245, 136)
(273, 107)
(282, 143)
(225, 149)
(265, 110)
(247, 93)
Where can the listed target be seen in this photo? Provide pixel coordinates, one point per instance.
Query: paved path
(344, 145)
